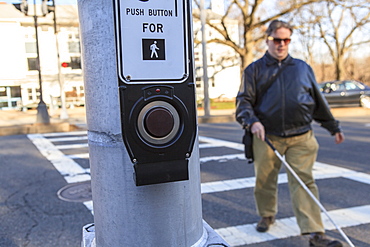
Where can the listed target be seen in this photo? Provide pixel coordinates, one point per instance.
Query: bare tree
(307, 33)
(358, 69)
(253, 16)
(343, 26)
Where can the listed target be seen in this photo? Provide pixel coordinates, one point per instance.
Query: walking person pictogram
(154, 49)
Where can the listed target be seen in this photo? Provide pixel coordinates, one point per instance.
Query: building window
(10, 96)
(15, 92)
(30, 96)
(74, 47)
(75, 63)
(199, 81)
(2, 91)
(196, 56)
(32, 63)
(37, 93)
(31, 47)
(82, 91)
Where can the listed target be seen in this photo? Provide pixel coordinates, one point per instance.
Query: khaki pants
(300, 153)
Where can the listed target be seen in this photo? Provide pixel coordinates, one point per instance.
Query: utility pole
(143, 145)
(63, 113)
(206, 101)
(42, 111)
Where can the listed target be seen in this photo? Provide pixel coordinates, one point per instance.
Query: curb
(37, 128)
(67, 127)
(79, 122)
(216, 119)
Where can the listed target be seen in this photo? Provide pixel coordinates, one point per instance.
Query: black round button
(159, 122)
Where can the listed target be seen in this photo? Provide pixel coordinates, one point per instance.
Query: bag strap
(271, 80)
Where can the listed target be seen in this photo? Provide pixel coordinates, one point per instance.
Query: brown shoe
(321, 240)
(264, 223)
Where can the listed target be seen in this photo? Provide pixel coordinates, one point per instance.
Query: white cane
(308, 191)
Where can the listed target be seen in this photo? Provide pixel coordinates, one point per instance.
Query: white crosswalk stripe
(287, 227)
(75, 133)
(72, 146)
(68, 168)
(66, 139)
(234, 235)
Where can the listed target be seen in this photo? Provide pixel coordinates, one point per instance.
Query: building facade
(223, 64)
(60, 58)
(19, 71)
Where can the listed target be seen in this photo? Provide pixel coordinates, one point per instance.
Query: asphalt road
(31, 214)
(234, 210)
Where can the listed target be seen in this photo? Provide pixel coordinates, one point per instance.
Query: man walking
(278, 99)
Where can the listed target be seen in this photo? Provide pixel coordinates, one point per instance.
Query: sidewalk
(17, 122)
(14, 122)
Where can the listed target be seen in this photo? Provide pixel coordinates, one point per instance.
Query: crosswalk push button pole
(142, 127)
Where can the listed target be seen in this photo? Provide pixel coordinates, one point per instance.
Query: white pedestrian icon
(154, 49)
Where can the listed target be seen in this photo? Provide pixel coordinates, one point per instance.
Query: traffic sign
(151, 37)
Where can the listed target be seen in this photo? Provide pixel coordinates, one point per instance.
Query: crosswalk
(51, 146)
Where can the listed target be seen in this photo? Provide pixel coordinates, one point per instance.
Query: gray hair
(276, 24)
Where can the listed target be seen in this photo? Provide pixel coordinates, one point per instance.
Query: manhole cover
(76, 192)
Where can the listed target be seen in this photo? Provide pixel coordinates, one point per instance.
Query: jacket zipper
(282, 104)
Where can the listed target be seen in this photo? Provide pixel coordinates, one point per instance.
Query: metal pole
(166, 215)
(205, 65)
(63, 113)
(42, 112)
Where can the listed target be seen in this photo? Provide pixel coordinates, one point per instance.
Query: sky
(61, 2)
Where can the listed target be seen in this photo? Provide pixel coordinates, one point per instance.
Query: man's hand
(339, 138)
(259, 130)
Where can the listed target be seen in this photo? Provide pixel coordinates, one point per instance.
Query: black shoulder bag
(248, 136)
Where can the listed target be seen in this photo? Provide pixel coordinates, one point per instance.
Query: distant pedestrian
(279, 98)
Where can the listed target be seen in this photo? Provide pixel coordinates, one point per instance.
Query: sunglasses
(277, 41)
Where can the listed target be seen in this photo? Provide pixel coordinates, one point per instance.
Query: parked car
(346, 93)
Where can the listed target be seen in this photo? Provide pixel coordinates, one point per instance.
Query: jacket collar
(270, 60)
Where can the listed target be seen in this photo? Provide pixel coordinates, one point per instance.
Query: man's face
(279, 48)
